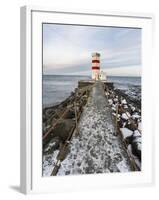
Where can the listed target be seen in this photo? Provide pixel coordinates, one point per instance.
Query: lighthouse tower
(95, 66)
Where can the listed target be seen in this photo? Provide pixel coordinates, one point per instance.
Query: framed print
(86, 116)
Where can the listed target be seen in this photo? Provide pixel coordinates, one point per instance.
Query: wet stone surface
(96, 149)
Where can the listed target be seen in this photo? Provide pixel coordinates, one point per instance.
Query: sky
(67, 49)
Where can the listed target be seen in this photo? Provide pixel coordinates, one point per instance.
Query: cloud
(67, 48)
(124, 71)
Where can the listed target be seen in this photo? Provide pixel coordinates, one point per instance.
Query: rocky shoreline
(127, 111)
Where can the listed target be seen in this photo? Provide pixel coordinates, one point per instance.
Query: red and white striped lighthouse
(95, 66)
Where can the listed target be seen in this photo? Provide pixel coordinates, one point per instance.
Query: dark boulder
(136, 144)
(136, 150)
(130, 126)
(70, 114)
(63, 129)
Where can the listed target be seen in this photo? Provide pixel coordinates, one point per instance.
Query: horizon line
(87, 75)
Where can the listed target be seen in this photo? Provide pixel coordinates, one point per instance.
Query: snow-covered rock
(110, 101)
(113, 107)
(140, 126)
(137, 161)
(125, 107)
(136, 116)
(132, 108)
(136, 134)
(125, 115)
(115, 99)
(123, 101)
(126, 132)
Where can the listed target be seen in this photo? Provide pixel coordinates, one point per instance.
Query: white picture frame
(31, 100)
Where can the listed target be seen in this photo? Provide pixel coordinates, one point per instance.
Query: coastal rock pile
(128, 118)
(59, 123)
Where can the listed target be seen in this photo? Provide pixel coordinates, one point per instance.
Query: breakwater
(81, 135)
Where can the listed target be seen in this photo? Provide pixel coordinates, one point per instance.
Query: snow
(106, 93)
(125, 116)
(132, 108)
(51, 144)
(137, 133)
(137, 139)
(113, 107)
(110, 101)
(140, 126)
(49, 161)
(139, 146)
(124, 101)
(122, 167)
(125, 106)
(115, 99)
(136, 116)
(126, 132)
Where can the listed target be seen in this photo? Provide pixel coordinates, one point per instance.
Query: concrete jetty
(96, 148)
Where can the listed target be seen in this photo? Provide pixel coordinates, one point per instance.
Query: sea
(57, 88)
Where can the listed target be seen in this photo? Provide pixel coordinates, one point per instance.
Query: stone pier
(97, 148)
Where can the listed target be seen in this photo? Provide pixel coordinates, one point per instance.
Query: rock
(139, 126)
(125, 116)
(126, 132)
(69, 115)
(113, 107)
(136, 134)
(115, 100)
(129, 139)
(136, 116)
(123, 101)
(63, 129)
(136, 144)
(125, 107)
(136, 149)
(52, 145)
(130, 126)
(110, 101)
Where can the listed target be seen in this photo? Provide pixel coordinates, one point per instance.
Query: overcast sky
(67, 49)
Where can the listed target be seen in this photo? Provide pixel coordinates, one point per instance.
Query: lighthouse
(95, 66)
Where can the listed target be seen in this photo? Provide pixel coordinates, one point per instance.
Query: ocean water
(57, 88)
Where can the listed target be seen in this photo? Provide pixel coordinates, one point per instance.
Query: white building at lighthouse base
(102, 76)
